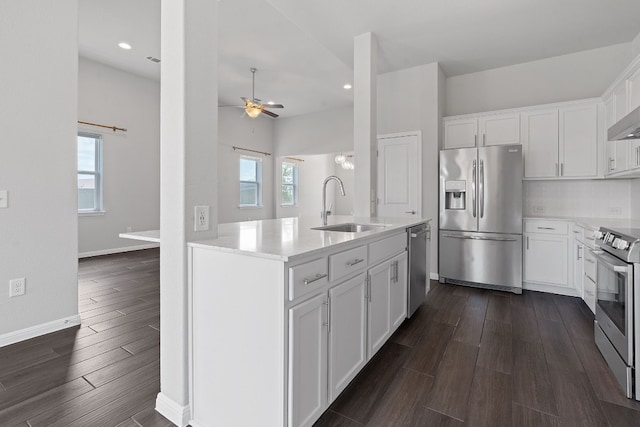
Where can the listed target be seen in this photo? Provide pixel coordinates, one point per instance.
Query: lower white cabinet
(307, 361)
(347, 329)
(546, 253)
(399, 289)
(578, 267)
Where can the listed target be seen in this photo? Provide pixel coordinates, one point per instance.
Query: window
(289, 184)
(89, 172)
(250, 181)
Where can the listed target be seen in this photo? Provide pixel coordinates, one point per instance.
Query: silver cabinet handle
(473, 189)
(328, 323)
(527, 242)
(546, 228)
(411, 212)
(557, 170)
(395, 271)
(481, 189)
(576, 232)
(611, 163)
(315, 279)
(578, 258)
(369, 287)
(590, 261)
(475, 140)
(354, 262)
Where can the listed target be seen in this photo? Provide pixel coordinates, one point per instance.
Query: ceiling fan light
(340, 159)
(253, 111)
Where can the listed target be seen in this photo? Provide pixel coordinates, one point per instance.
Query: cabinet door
(499, 129)
(609, 112)
(379, 320)
(621, 159)
(399, 284)
(620, 99)
(578, 267)
(610, 149)
(460, 133)
(540, 143)
(633, 85)
(307, 361)
(578, 141)
(634, 152)
(347, 333)
(546, 259)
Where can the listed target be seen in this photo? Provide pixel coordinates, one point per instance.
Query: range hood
(627, 128)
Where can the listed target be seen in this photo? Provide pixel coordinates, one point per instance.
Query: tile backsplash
(581, 198)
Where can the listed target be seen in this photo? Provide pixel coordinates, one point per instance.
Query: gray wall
(38, 113)
(131, 160)
(562, 78)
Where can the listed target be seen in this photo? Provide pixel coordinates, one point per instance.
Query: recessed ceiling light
(124, 45)
(270, 102)
(347, 86)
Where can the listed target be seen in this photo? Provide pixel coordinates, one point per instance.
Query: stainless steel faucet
(325, 213)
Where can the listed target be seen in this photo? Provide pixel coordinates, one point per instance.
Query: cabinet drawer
(590, 265)
(578, 233)
(307, 277)
(344, 263)
(546, 227)
(590, 293)
(386, 248)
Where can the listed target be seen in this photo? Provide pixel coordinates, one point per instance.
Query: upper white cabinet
(634, 154)
(633, 88)
(499, 129)
(460, 133)
(578, 142)
(620, 100)
(490, 129)
(540, 143)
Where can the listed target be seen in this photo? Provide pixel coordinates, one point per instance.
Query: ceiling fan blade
(269, 113)
(275, 105)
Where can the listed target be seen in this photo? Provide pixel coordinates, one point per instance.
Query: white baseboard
(38, 330)
(174, 412)
(434, 276)
(550, 289)
(118, 250)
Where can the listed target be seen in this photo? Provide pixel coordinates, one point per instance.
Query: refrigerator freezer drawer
(482, 258)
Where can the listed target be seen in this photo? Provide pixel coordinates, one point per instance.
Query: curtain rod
(295, 158)
(250, 150)
(113, 128)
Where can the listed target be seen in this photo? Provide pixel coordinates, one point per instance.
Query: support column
(365, 82)
(188, 178)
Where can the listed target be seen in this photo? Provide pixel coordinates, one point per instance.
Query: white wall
(237, 129)
(635, 46)
(409, 100)
(579, 198)
(131, 160)
(635, 198)
(578, 75)
(38, 113)
(317, 133)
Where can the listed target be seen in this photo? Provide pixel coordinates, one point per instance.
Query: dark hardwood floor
(483, 358)
(105, 372)
(467, 357)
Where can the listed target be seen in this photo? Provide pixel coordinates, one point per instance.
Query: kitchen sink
(349, 227)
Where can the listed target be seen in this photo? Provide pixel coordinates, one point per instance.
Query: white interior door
(399, 177)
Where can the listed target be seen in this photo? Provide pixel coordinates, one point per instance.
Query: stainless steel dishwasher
(418, 263)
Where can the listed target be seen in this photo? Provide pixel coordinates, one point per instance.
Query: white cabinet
(460, 133)
(399, 289)
(634, 153)
(307, 361)
(489, 129)
(578, 260)
(578, 140)
(540, 143)
(379, 295)
(589, 280)
(620, 100)
(347, 333)
(546, 254)
(499, 129)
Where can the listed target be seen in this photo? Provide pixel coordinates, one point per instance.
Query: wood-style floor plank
(496, 347)
(531, 382)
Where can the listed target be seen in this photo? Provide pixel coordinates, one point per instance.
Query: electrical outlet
(615, 210)
(538, 209)
(17, 287)
(201, 218)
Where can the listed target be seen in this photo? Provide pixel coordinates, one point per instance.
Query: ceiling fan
(254, 107)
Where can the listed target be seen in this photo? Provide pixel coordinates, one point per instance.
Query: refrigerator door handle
(481, 189)
(494, 239)
(473, 188)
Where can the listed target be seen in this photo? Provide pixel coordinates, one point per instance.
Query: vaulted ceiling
(304, 49)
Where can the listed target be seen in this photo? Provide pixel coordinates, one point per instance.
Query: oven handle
(615, 265)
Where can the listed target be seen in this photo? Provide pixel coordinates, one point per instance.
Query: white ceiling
(304, 49)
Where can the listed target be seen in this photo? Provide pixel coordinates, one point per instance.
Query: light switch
(4, 199)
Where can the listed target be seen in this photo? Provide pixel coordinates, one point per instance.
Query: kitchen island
(283, 316)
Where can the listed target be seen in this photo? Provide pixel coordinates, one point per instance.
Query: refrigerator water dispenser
(455, 194)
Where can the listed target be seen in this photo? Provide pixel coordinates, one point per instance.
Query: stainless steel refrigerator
(481, 217)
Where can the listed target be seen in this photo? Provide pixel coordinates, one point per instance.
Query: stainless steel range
(617, 326)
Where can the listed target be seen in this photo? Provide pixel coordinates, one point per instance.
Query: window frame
(98, 201)
(294, 185)
(257, 182)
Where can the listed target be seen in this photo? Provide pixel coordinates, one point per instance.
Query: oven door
(614, 308)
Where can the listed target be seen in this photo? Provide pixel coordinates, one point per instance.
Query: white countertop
(593, 223)
(287, 238)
